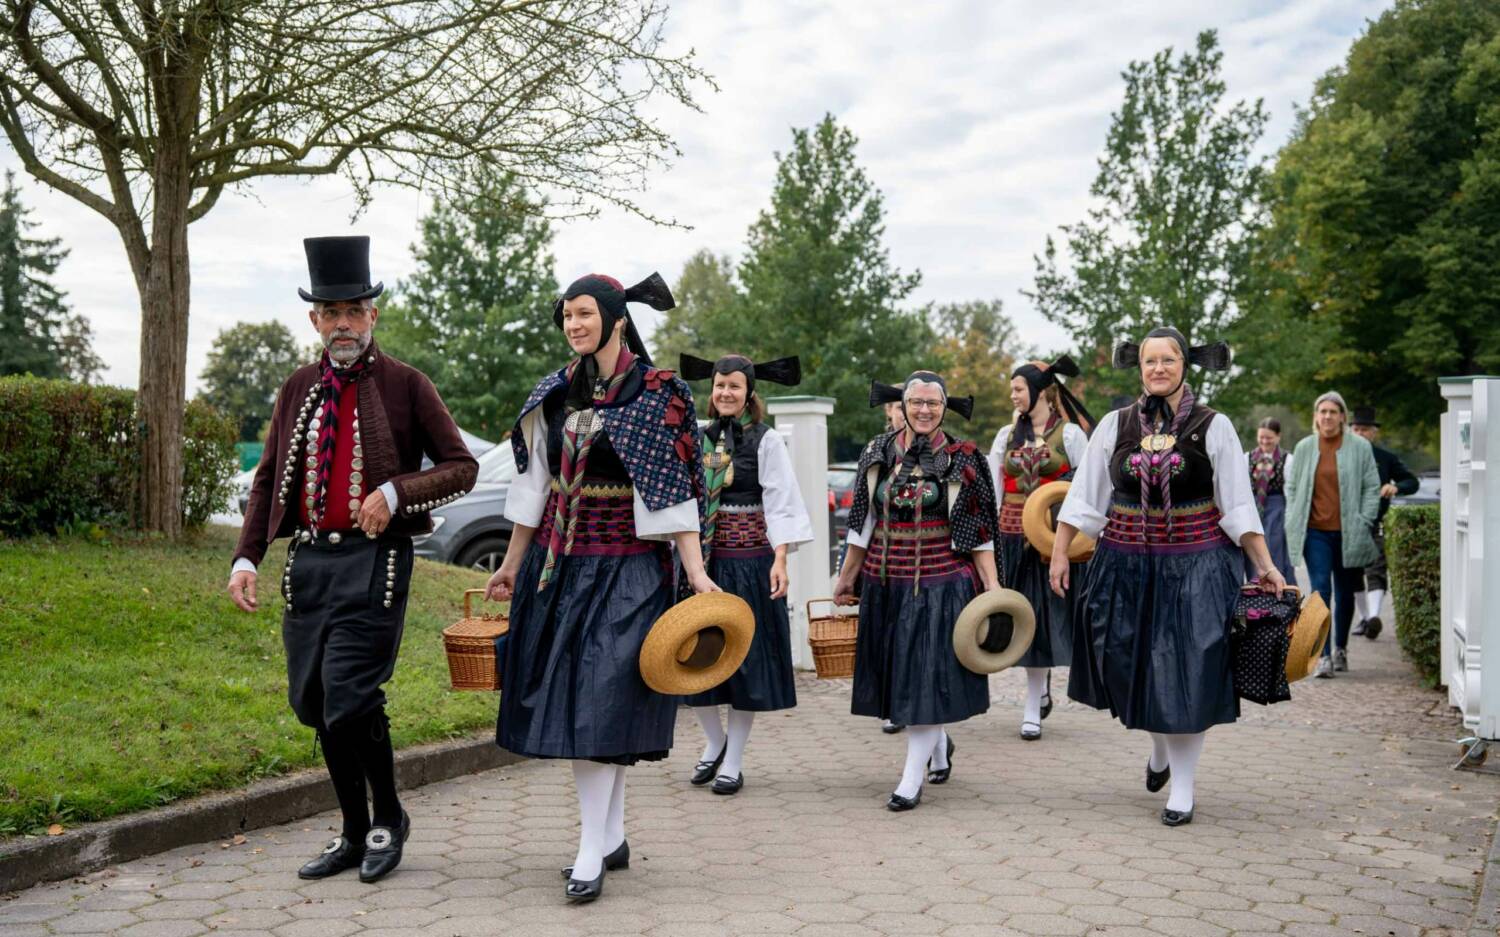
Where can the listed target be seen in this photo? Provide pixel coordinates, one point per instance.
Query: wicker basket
(470, 643)
(832, 639)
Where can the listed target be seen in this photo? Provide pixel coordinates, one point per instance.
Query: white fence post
(803, 423)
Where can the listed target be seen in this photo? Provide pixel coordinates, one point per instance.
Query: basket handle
(467, 593)
(836, 612)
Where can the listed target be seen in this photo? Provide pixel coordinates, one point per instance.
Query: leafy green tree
(1387, 206)
(39, 334)
(246, 366)
(819, 282)
(1177, 204)
(476, 316)
(978, 348)
(707, 298)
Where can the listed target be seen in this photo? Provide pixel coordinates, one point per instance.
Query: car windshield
(498, 465)
(840, 478)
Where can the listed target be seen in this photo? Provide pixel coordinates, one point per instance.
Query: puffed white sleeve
(1002, 438)
(672, 519)
(787, 520)
(1075, 443)
(1087, 505)
(996, 458)
(1232, 491)
(527, 497)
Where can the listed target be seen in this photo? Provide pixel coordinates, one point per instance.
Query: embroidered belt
(908, 552)
(606, 521)
(741, 531)
(1195, 528)
(1011, 507)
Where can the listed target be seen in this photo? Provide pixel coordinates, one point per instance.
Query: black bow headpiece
(612, 297)
(1215, 356)
(882, 394)
(1038, 376)
(785, 371)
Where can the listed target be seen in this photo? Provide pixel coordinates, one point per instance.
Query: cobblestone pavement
(1334, 814)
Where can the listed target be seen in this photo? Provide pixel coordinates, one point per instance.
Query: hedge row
(1412, 549)
(69, 455)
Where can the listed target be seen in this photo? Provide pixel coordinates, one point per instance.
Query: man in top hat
(1395, 479)
(341, 476)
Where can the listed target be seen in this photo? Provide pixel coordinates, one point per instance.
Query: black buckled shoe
(1031, 731)
(897, 803)
(339, 855)
(1176, 817)
(1156, 780)
(941, 777)
(1047, 697)
(584, 892)
(724, 784)
(383, 850)
(891, 728)
(707, 770)
(619, 859)
(1373, 628)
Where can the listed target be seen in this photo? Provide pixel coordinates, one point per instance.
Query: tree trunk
(161, 399)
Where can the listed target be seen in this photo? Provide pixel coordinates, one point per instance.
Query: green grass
(128, 679)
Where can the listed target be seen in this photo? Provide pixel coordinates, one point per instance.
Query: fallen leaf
(55, 830)
(239, 839)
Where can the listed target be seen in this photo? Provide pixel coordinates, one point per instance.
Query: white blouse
(1075, 443)
(1089, 498)
(527, 498)
(787, 519)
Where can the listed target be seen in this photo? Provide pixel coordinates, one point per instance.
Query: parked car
(841, 478)
(1428, 486)
(473, 531)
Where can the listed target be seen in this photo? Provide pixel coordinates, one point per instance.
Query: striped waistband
(1010, 514)
(600, 489)
(740, 531)
(605, 523)
(1194, 528)
(906, 551)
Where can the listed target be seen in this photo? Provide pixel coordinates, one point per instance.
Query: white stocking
(596, 786)
(614, 825)
(1158, 752)
(739, 734)
(1036, 687)
(1373, 600)
(1183, 751)
(713, 731)
(920, 742)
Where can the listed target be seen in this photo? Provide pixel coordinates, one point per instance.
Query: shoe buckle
(333, 845)
(379, 838)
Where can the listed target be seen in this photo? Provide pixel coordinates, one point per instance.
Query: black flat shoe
(897, 803)
(619, 859)
(584, 892)
(707, 770)
(1176, 817)
(941, 777)
(891, 728)
(383, 850)
(1031, 731)
(338, 856)
(1156, 780)
(1047, 697)
(1373, 628)
(724, 784)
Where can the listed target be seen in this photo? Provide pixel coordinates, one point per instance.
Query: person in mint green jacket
(1333, 504)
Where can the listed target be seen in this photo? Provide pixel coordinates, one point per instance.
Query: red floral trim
(655, 377)
(676, 411)
(687, 447)
(967, 447)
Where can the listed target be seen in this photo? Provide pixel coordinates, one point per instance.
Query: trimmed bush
(69, 456)
(1412, 549)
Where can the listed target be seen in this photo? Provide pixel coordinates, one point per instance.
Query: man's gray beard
(345, 358)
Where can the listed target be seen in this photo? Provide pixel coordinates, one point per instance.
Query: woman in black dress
(920, 547)
(1163, 489)
(608, 473)
(754, 515)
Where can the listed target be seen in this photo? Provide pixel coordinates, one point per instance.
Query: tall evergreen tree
(39, 334)
(476, 316)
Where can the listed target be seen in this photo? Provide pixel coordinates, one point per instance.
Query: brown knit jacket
(401, 417)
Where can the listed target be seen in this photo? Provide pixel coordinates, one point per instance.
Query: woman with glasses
(920, 546)
(1164, 490)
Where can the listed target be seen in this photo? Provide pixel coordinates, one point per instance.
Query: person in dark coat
(341, 477)
(608, 474)
(1395, 479)
(920, 547)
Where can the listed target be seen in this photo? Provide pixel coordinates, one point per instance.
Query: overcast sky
(980, 122)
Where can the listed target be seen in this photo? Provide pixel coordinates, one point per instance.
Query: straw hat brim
(698, 644)
(1309, 633)
(1036, 521)
(973, 626)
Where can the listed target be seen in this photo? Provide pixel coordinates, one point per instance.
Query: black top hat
(339, 268)
(1364, 416)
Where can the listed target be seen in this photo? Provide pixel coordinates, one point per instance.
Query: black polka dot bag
(1260, 635)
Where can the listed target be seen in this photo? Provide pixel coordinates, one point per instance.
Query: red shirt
(337, 512)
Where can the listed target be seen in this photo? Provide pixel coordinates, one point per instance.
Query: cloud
(979, 121)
